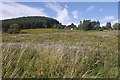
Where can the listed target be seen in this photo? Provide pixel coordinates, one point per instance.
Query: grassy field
(49, 53)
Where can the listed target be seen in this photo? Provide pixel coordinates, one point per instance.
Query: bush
(14, 28)
(116, 26)
(58, 26)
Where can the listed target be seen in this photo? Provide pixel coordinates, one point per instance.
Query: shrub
(14, 28)
(116, 26)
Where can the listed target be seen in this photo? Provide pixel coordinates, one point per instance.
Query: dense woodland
(34, 22)
(29, 22)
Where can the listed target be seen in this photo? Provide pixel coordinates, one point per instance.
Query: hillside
(60, 53)
(30, 22)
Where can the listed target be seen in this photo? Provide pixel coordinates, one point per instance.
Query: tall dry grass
(91, 56)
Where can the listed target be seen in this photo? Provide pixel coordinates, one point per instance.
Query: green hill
(31, 22)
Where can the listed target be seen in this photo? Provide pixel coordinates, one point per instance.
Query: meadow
(53, 53)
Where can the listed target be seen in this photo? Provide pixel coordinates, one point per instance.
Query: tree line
(94, 25)
(33, 22)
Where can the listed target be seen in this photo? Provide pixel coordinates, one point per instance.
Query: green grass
(49, 53)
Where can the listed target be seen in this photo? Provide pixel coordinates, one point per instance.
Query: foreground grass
(60, 53)
(0, 55)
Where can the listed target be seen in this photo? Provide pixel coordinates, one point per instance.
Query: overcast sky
(65, 12)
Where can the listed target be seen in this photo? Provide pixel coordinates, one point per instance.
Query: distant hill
(30, 22)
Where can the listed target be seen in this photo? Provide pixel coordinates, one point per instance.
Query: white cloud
(75, 14)
(62, 12)
(112, 22)
(0, 10)
(90, 8)
(93, 19)
(100, 10)
(107, 18)
(103, 24)
(115, 21)
(60, 0)
(66, 6)
(12, 10)
(77, 23)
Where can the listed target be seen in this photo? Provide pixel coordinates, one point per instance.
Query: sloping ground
(61, 53)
